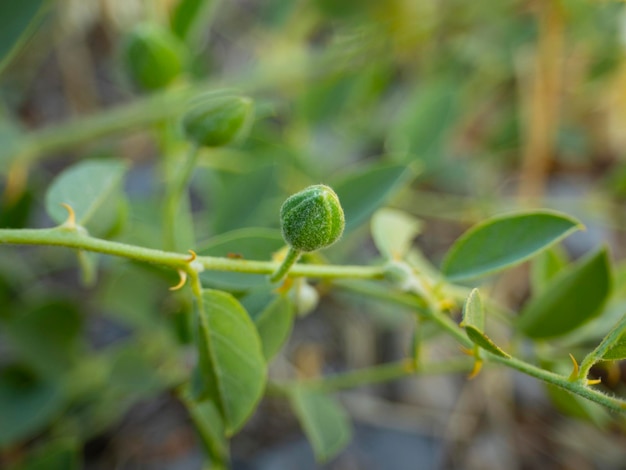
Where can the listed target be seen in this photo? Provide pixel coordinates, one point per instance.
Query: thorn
(594, 381)
(467, 351)
(183, 279)
(478, 365)
(70, 222)
(574, 374)
(192, 256)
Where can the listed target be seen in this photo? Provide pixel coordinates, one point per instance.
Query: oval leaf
(505, 241)
(393, 232)
(274, 325)
(572, 298)
(617, 352)
(325, 423)
(92, 188)
(231, 369)
(362, 192)
(481, 340)
(473, 311)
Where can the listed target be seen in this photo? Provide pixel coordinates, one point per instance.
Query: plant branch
(175, 193)
(605, 345)
(71, 238)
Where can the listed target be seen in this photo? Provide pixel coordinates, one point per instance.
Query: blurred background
(468, 109)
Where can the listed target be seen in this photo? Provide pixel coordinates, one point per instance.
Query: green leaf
(482, 340)
(93, 189)
(617, 352)
(324, 421)
(505, 241)
(210, 427)
(572, 298)
(192, 17)
(474, 324)
(274, 324)
(473, 311)
(231, 368)
(18, 21)
(56, 455)
(546, 266)
(364, 191)
(393, 232)
(46, 336)
(27, 404)
(251, 244)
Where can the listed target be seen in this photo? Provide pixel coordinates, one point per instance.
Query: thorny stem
(73, 238)
(600, 351)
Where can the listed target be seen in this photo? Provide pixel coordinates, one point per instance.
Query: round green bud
(153, 56)
(217, 121)
(312, 219)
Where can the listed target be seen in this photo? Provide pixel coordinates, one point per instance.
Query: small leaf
(613, 345)
(482, 340)
(92, 189)
(505, 241)
(59, 454)
(18, 21)
(474, 324)
(393, 232)
(231, 369)
(572, 298)
(473, 311)
(250, 244)
(274, 324)
(325, 423)
(364, 191)
(27, 404)
(617, 352)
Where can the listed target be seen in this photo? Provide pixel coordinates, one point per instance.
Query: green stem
(62, 236)
(288, 262)
(175, 193)
(169, 104)
(600, 351)
(577, 387)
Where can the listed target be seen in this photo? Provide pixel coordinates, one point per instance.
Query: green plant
(195, 273)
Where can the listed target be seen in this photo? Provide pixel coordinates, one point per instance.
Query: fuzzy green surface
(153, 56)
(216, 122)
(312, 219)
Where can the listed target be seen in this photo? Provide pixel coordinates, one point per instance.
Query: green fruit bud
(312, 219)
(153, 56)
(215, 122)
